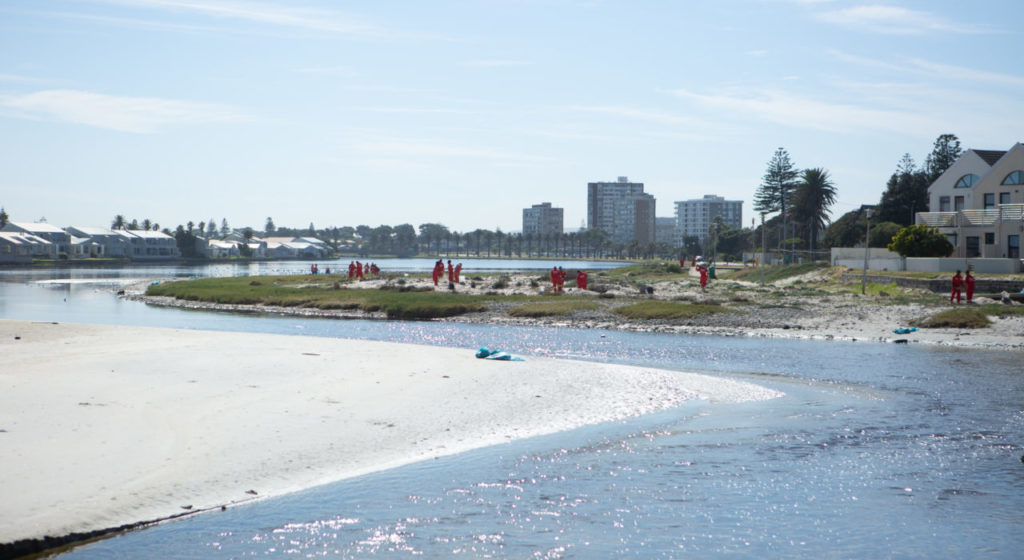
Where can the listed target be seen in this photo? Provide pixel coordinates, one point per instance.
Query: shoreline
(845, 318)
(109, 427)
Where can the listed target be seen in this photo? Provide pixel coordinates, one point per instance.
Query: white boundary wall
(884, 259)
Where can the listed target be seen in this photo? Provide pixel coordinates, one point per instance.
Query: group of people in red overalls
(358, 270)
(454, 272)
(965, 282)
(558, 276)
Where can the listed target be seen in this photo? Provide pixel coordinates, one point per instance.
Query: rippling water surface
(876, 451)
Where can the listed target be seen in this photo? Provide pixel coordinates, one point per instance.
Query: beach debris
(187, 507)
(904, 330)
(485, 352)
(253, 492)
(901, 341)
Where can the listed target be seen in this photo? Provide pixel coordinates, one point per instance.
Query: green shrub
(957, 318)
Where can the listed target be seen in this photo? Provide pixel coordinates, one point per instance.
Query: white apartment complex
(694, 217)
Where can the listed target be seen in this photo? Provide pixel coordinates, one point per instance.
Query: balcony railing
(1002, 213)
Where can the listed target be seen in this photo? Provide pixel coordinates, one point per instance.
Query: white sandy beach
(103, 426)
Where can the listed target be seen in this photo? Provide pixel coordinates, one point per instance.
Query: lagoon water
(876, 451)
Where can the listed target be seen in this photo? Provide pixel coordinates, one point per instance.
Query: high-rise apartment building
(542, 219)
(622, 209)
(694, 217)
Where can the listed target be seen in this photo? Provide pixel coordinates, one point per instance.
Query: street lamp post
(867, 245)
(763, 249)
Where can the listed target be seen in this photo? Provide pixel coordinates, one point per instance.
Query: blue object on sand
(485, 352)
(904, 330)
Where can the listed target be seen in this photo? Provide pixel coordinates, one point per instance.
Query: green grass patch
(663, 310)
(1001, 310)
(552, 308)
(305, 291)
(956, 318)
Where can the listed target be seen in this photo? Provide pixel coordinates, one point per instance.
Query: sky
(465, 112)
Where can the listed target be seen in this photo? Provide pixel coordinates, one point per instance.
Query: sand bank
(104, 426)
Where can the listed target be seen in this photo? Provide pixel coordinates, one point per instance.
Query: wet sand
(108, 426)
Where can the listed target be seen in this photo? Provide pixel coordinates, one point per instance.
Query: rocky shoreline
(792, 309)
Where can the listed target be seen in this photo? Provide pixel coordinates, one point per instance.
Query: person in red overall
(555, 277)
(561, 279)
(438, 267)
(969, 285)
(581, 280)
(957, 282)
(458, 271)
(703, 270)
(351, 270)
(359, 270)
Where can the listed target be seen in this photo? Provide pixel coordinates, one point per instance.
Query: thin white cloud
(946, 72)
(801, 112)
(639, 114)
(126, 114)
(495, 63)
(429, 149)
(410, 110)
(951, 72)
(894, 20)
(757, 52)
(340, 71)
(282, 15)
(16, 79)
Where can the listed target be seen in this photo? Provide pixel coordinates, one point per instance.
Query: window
(958, 203)
(990, 238)
(943, 204)
(990, 201)
(973, 248)
(1004, 198)
(966, 182)
(1013, 246)
(1015, 178)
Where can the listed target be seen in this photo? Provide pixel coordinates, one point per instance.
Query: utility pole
(867, 245)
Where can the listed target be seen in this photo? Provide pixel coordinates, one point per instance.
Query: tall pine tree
(777, 186)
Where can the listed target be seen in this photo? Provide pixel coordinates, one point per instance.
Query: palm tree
(814, 195)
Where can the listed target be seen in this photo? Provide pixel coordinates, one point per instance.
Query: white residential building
(18, 247)
(694, 217)
(99, 242)
(978, 203)
(151, 245)
(60, 238)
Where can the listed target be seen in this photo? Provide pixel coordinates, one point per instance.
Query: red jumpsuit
(451, 272)
(555, 277)
(458, 270)
(957, 282)
(351, 270)
(581, 280)
(359, 270)
(969, 284)
(438, 268)
(703, 277)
